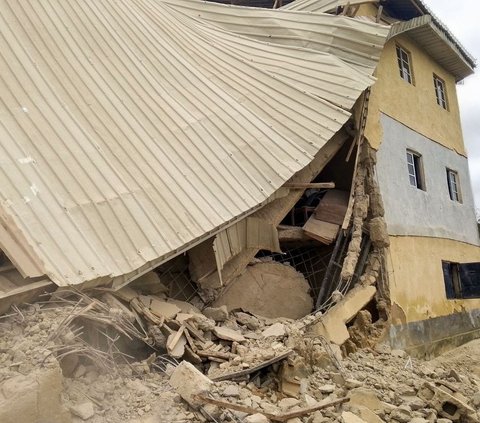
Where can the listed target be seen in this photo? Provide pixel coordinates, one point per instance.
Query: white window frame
(440, 91)
(453, 182)
(415, 170)
(404, 64)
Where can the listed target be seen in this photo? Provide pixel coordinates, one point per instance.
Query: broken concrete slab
(83, 410)
(332, 325)
(368, 415)
(276, 330)
(33, 398)
(227, 334)
(261, 289)
(219, 314)
(189, 382)
(348, 417)
(363, 397)
(163, 309)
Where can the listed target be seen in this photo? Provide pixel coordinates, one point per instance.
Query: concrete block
(228, 334)
(33, 398)
(219, 314)
(189, 382)
(332, 325)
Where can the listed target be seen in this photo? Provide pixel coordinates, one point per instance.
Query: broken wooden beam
(310, 185)
(253, 369)
(287, 233)
(283, 417)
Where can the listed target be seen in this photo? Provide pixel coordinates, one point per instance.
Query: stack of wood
(328, 217)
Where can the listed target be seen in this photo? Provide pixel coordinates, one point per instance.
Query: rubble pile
(75, 359)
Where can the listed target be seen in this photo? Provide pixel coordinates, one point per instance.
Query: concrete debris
(256, 418)
(333, 325)
(286, 378)
(189, 383)
(348, 417)
(228, 334)
(276, 330)
(84, 410)
(219, 314)
(261, 290)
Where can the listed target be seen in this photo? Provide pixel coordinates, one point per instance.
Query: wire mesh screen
(174, 275)
(311, 261)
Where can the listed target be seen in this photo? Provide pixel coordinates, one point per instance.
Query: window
(462, 280)
(440, 91)
(403, 58)
(415, 170)
(453, 186)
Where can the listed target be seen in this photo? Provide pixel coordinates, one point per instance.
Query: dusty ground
(382, 385)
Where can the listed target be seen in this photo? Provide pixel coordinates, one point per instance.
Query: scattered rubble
(280, 374)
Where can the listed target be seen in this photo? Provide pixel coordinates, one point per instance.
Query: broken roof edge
(464, 67)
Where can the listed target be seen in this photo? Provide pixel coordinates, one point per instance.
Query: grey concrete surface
(411, 211)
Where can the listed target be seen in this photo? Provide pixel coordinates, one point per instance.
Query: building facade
(422, 170)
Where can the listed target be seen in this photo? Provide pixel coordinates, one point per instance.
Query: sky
(462, 17)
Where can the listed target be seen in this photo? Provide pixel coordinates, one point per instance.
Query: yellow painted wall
(415, 104)
(416, 278)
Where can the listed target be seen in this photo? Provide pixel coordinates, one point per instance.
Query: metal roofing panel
(120, 145)
(323, 6)
(358, 43)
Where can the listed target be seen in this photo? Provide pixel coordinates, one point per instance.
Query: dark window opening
(415, 170)
(462, 280)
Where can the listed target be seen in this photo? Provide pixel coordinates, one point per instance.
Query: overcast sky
(462, 17)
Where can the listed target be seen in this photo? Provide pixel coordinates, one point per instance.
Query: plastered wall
(412, 211)
(416, 279)
(414, 104)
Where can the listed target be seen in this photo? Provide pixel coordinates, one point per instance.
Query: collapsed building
(299, 160)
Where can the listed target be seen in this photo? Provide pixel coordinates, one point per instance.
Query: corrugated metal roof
(130, 131)
(358, 43)
(322, 6)
(432, 39)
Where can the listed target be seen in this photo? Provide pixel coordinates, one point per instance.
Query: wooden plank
(282, 417)
(253, 369)
(321, 231)
(308, 410)
(24, 294)
(332, 207)
(309, 185)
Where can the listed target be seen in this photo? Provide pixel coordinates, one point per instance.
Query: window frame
(404, 61)
(416, 175)
(462, 280)
(440, 92)
(453, 184)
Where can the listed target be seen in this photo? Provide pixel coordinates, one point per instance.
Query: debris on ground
(83, 357)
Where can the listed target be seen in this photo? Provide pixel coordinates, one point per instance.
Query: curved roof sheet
(130, 131)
